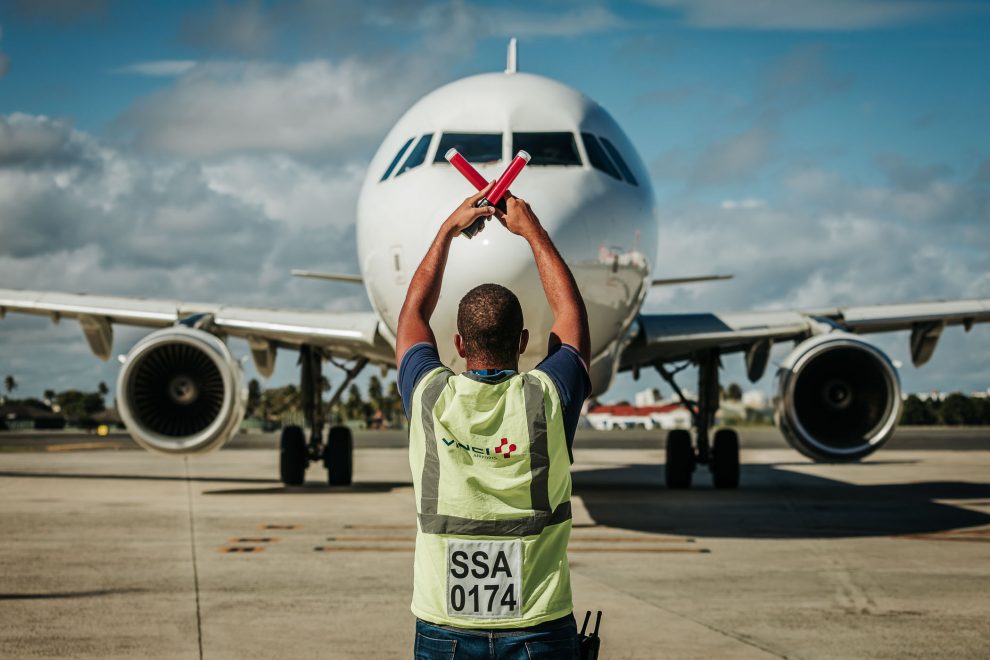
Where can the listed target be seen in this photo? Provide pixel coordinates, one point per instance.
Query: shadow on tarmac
(275, 488)
(774, 504)
(771, 502)
(134, 477)
(65, 594)
(316, 489)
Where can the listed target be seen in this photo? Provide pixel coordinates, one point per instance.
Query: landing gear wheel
(293, 457)
(725, 459)
(680, 459)
(338, 456)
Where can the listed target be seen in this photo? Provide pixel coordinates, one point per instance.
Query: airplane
(180, 389)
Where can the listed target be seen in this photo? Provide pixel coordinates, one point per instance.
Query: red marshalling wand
(479, 182)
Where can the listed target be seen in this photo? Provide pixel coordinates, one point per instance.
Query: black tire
(680, 459)
(338, 456)
(725, 459)
(293, 457)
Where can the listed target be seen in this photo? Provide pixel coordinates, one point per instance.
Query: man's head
(490, 329)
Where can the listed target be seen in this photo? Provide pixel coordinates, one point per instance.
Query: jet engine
(180, 392)
(838, 398)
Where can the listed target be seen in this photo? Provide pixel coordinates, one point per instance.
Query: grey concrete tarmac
(122, 554)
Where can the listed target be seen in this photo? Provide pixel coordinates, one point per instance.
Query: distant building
(621, 416)
(26, 415)
(755, 400)
(648, 397)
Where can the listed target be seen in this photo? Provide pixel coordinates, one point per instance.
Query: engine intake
(180, 392)
(838, 398)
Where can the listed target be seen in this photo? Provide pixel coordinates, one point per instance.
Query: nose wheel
(293, 456)
(680, 464)
(724, 463)
(337, 453)
(338, 456)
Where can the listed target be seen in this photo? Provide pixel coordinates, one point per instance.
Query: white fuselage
(605, 228)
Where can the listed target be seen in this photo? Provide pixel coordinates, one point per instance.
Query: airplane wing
(670, 337)
(345, 334)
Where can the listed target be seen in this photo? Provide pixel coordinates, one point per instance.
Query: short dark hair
(490, 321)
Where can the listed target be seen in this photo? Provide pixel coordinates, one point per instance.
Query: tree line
(284, 404)
(955, 410)
(280, 405)
(277, 405)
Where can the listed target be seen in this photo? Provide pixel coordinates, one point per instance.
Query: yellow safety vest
(492, 480)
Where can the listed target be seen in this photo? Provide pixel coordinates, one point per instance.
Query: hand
(519, 217)
(465, 214)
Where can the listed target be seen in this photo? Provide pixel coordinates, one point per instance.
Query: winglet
(333, 277)
(689, 280)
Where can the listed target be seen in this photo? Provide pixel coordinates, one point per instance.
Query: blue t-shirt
(563, 364)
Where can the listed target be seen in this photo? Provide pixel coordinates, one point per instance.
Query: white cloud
(827, 241)
(806, 14)
(165, 68)
(746, 204)
(313, 106)
(301, 196)
(730, 159)
(500, 21)
(77, 215)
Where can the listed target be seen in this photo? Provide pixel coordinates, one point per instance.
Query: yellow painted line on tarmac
(364, 548)
(369, 538)
(73, 446)
(632, 539)
(405, 526)
(690, 551)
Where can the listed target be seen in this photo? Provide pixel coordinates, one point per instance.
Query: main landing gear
(337, 453)
(722, 455)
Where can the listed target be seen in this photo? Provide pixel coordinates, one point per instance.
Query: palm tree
(375, 392)
(102, 389)
(10, 384)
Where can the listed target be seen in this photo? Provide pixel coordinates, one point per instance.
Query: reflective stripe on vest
(432, 522)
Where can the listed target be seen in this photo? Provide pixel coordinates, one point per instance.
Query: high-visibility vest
(491, 473)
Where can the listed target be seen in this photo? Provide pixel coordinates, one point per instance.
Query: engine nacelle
(180, 392)
(838, 398)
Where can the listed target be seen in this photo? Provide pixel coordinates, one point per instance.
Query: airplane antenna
(511, 58)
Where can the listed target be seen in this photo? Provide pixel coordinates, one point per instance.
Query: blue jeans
(552, 640)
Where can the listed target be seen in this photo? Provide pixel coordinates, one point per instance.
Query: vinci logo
(504, 448)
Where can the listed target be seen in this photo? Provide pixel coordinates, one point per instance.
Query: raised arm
(570, 319)
(424, 288)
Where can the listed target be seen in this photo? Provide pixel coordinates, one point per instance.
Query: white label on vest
(484, 579)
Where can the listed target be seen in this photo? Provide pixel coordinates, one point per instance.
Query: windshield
(547, 148)
(614, 153)
(475, 147)
(395, 161)
(598, 157)
(417, 155)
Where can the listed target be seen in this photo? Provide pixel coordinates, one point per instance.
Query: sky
(824, 153)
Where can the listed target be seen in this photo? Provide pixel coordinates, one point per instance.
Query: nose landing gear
(337, 454)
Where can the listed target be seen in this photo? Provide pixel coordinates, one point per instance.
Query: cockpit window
(417, 155)
(599, 159)
(475, 147)
(395, 161)
(614, 153)
(547, 148)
